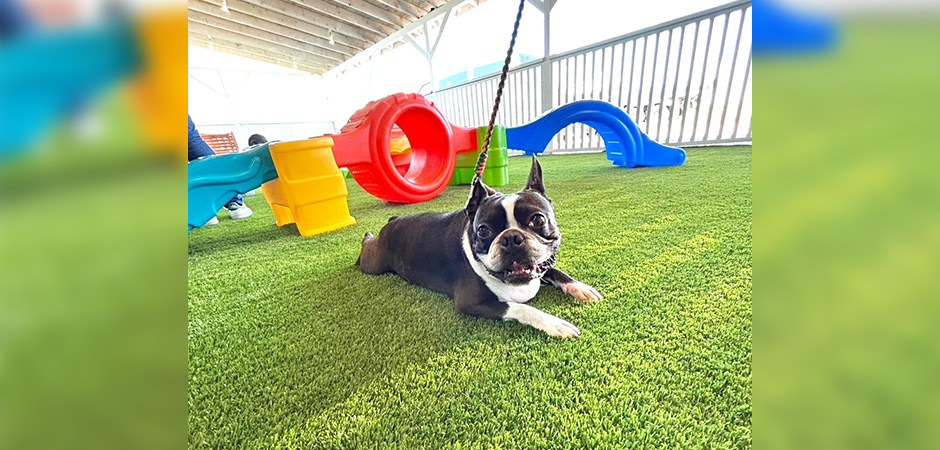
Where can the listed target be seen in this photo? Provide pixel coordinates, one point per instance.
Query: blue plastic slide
(214, 180)
(626, 145)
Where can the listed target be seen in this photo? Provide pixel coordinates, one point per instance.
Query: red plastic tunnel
(363, 147)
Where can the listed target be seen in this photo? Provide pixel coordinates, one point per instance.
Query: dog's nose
(511, 239)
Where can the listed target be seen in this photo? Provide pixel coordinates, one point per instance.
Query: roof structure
(310, 35)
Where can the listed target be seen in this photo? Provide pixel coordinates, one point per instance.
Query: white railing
(686, 82)
(275, 131)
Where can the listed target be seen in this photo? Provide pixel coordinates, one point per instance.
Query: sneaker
(212, 221)
(238, 211)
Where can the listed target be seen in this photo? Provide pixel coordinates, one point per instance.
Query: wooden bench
(221, 144)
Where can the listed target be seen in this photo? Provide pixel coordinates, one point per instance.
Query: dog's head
(515, 237)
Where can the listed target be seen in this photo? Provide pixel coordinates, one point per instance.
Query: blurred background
(847, 232)
(92, 202)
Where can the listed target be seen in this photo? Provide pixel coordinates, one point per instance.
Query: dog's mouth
(522, 272)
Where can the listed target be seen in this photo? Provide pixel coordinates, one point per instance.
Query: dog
(491, 257)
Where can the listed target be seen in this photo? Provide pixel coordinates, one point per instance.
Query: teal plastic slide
(214, 180)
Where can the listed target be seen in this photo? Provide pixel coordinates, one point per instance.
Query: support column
(429, 55)
(545, 6)
(428, 50)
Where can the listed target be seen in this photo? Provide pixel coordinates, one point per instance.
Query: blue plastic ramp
(214, 180)
(626, 145)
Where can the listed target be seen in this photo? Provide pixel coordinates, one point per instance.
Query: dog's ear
(535, 178)
(478, 192)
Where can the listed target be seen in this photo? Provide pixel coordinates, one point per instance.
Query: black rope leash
(481, 162)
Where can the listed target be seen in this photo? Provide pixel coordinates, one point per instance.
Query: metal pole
(642, 75)
(737, 118)
(675, 84)
(721, 52)
(429, 55)
(688, 84)
(623, 63)
(734, 59)
(610, 80)
(632, 70)
(649, 106)
(547, 76)
(708, 42)
(532, 88)
(662, 92)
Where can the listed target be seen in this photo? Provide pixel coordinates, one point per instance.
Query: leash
(481, 162)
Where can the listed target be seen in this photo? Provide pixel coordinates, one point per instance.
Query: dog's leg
(481, 302)
(551, 325)
(570, 286)
(370, 258)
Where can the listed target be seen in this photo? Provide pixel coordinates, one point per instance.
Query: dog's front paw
(556, 327)
(581, 291)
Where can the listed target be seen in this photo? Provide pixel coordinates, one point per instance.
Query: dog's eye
(537, 221)
(483, 232)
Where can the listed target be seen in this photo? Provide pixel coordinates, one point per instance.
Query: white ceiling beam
(396, 36)
(261, 16)
(216, 41)
(538, 4)
(253, 55)
(440, 32)
(410, 11)
(352, 16)
(380, 11)
(318, 19)
(205, 19)
(252, 41)
(413, 8)
(203, 9)
(414, 44)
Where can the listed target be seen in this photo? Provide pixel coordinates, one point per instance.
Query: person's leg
(197, 147)
(237, 209)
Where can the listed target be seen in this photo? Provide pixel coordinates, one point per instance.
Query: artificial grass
(290, 346)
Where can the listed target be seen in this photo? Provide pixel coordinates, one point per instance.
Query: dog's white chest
(513, 293)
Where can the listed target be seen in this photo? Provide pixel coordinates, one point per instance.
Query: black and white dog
(490, 257)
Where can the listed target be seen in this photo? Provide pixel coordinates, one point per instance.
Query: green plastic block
(497, 170)
(492, 176)
(499, 154)
(462, 176)
(495, 176)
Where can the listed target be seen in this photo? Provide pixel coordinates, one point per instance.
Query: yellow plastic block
(399, 146)
(310, 190)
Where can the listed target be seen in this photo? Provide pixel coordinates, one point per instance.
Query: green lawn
(291, 346)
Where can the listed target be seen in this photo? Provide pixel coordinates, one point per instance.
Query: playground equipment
(214, 180)
(626, 145)
(497, 167)
(363, 146)
(309, 190)
(399, 149)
